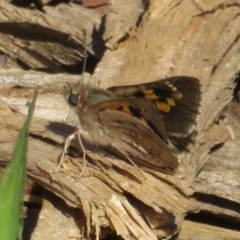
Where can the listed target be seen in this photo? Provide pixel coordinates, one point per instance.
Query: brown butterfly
(144, 123)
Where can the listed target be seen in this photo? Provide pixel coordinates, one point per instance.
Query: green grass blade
(12, 184)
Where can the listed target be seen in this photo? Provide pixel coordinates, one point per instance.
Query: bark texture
(134, 42)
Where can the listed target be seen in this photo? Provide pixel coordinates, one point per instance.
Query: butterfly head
(81, 94)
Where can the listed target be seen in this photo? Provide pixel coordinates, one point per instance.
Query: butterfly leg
(65, 150)
(83, 151)
(131, 162)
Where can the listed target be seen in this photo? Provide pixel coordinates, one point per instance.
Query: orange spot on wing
(148, 91)
(171, 102)
(149, 94)
(126, 109)
(163, 106)
(113, 106)
(116, 106)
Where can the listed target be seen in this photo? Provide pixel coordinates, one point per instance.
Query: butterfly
(146, 124)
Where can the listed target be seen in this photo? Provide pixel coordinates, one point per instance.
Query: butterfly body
(142, 122)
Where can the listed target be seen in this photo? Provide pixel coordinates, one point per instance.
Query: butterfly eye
(73, 99)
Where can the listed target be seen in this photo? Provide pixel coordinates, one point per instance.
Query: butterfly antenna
(85, 54)
(40, 89)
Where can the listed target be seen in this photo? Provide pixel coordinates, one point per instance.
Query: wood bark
(135, 43)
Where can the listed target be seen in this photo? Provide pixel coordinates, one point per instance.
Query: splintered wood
(143, 43)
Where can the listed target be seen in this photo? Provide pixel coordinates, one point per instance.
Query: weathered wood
(174, 38)
(49, 41)
(217, 185)
(104, 183)
(198, 231)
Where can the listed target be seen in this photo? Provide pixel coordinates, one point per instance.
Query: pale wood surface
(198, 231)
(174, 38)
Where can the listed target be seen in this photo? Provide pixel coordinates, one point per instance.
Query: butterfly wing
(177, 100)
(130, 137)
(142, 121)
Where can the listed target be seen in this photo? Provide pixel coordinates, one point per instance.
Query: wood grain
(150, 42)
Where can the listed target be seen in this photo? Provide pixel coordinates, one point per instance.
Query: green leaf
(12, 184)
